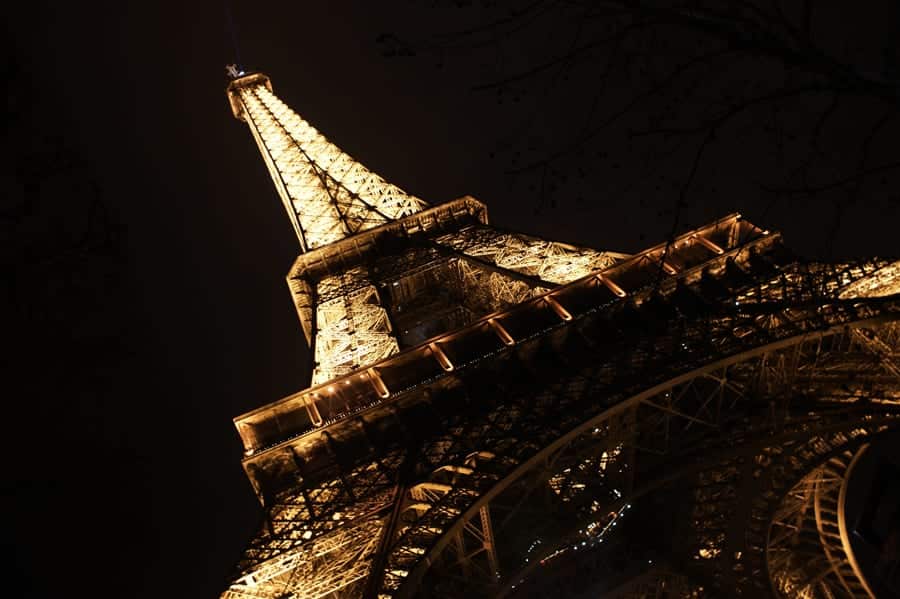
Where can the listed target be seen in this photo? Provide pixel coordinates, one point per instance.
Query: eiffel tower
(495, 414)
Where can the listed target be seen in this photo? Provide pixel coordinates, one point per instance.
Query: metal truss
(580, 422)
(487, 271)
(490, 411)
(351, 330)
(738, 533)
(322, 540)
(547, 261)
(687, 432)
(492, 291)
(808, 551)
(336, 565)
(328, 195)
(439, 283)
(483, 251)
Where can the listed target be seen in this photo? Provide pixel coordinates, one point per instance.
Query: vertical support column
(379, 560)
(734, 232)
(459, 544)
(490, 547)
(353, 329)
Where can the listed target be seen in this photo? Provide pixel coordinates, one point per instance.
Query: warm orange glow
(313, 411)
(669, 268)
(708, 244)
(441, 357)
(329, 197)
(344, 216)
(502, 333)
(380, 388)
(883, 282)
(558, 308)
(610, 284)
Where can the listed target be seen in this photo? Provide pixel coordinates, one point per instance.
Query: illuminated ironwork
(331, 198)
(809, 552)
(328, 195)
(488, 408)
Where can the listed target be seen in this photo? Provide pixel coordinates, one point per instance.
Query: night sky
(123, 474)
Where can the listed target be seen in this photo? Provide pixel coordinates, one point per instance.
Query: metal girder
(351, 330)
(702, 403)
(781, 476)
(334, 564)
(810, 521)
(882, 351)
(707, 457)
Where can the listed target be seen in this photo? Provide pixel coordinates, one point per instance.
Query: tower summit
(328, 195)
(357, 299)
(487, 408)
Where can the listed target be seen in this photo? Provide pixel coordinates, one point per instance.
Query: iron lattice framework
(342, 209)
(489, 408)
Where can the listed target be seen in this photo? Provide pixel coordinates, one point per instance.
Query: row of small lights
(592, 541)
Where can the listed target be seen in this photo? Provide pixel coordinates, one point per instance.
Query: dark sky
(124, 465)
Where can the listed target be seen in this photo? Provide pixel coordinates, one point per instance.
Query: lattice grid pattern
(758, 377)
(806, 554)
(511, 432)
(547, 261)
(328, 195)
(352, 330)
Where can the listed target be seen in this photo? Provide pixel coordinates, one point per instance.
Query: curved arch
(554, 403)
(842, 520)
(546, 454)
(687, 471)
(814, 507)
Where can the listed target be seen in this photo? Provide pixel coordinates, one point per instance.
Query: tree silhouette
(672, 104)
(67, 371)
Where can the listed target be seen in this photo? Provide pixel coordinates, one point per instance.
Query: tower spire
(328, 195)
